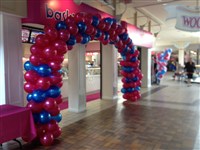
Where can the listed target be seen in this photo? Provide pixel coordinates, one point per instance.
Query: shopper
(190, 68)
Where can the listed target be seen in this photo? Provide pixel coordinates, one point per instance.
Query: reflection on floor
(167, 118)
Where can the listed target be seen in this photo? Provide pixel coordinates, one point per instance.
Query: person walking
(190, 68)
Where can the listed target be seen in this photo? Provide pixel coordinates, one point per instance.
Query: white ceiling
(155, 11)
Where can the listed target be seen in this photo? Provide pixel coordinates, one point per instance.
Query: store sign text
(57, 15)
(191, 22)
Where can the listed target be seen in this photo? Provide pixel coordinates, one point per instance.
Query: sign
(187, 19)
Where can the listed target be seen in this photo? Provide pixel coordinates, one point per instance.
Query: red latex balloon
(31, 76)
(79, 38)
(55, 66)
(79, 17)
(51, 32)
(49, 104)
(28, 87)
(89, 29)
(69, 47)
(35, 60)
(49, 52)
(57, 133)
(43, 83)
(36, 50)
(46, 139)
(73, 29)
(35, 107)
(52, 126)
(101, 25)
(59, 99)
(58, 58)
(54, 111)
(69, 20)
(41, 130)
(88, 19)
(55, 78)
(60, 84)
(124, 24)
(42, 40)
(64, 35)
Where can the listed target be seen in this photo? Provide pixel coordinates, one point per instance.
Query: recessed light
(164, 4)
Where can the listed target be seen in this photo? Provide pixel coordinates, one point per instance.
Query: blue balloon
(86, 39)
(29, 97)
(43, 70)
(109, 20)
(57, 118)
(71, 41)
(98, 34)
(61, 25)
(82, 27)
(53, 91)
(36, 117)
(44, 117)
(28, 66)
(135, 79)
(123, 90)
(124, 36)
(38, 96)
(95, 21)
(137, 88)
(133, 59)
(130, 90)
(106, 36)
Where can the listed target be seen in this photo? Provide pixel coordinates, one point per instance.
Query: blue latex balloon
(38, 96)
(135, 79)
(28, 66)
(53, 91)
(95, 21)
(124, 36)
(71, 41)
(98, 34)
(61, 25)
(29, 97)
(106, 36)
(82, 27)
(57, 118)
(44, 117)
(133, 59)
(109, 20)
(130, 90)
(137, 88)
(43, 70)
(86, 39)
(123, 90)
(36, 117)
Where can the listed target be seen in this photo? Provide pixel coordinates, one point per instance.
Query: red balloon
(31, 76)
(35, 107)
(40, 129)
(36, 50)
(55, 78)
(60, 84)
(29, 88)
(55, 111)
(70, 19)
(46, 139)
(42, 40)
(69, 47)
(101, 25)
(35, 60)
(89, 29)
(43, 83)
(59, 99)
(64, 35)
(51, 33)
(114, 26)
(73, 29)
(107, 26)
(49, 104)
(49, 52)
(124, 24)
(58, 58)
(52, 126)
(79, 17)
(79, 38)
(88, 19)
(55, 66)
(57, 133)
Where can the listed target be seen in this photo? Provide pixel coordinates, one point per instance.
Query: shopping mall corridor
(166, 118)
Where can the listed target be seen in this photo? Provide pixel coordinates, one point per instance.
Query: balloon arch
(43, 80)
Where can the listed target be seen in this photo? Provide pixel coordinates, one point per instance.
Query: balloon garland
(43, 80)
(161, 60)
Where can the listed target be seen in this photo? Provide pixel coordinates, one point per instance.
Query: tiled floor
(167, 117)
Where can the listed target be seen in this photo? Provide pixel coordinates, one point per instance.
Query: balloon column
(43, 80)
(162, 59)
